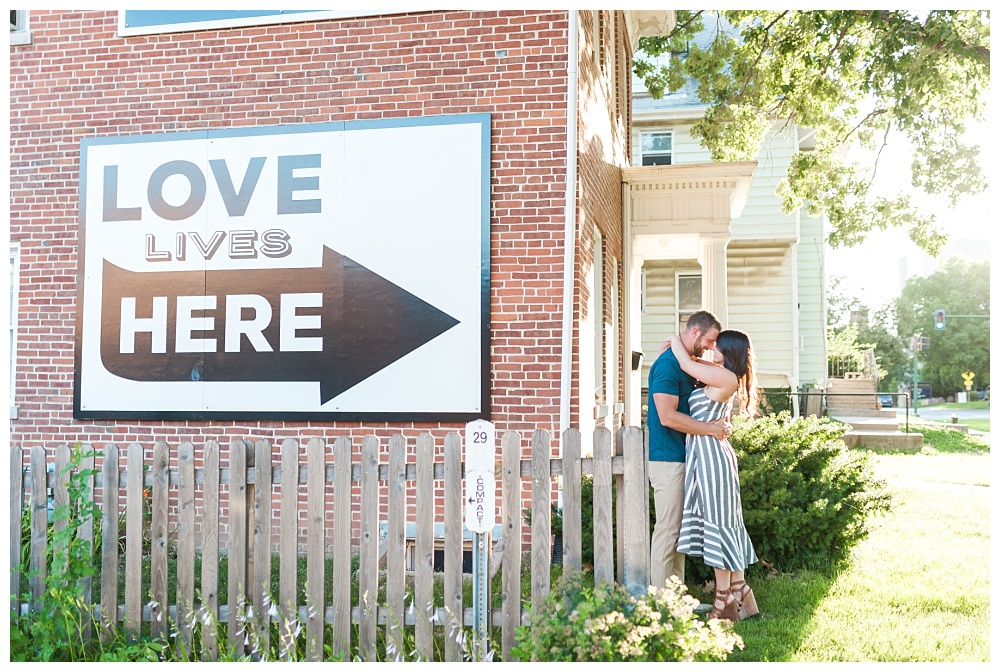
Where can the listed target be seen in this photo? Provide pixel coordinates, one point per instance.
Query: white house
(763, 272)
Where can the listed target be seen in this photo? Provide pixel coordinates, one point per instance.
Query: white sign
(324, 271)
(480, 476)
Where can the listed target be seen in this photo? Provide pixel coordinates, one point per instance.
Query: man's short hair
(704, 321)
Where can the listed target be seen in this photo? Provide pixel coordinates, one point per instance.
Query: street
(946, 413)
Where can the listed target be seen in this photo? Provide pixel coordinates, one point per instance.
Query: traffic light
(939, 319)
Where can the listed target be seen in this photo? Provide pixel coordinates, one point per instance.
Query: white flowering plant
(580, 622)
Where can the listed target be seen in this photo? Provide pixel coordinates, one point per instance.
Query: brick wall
(79, 79)
(604, 66)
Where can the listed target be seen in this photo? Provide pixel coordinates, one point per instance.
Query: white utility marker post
(480, 517)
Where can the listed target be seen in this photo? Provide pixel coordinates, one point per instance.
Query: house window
(19, 33)
(642, 290)
(688, 289)
(598, 318)
(598, 40)
(154, 21)
(15, 262)
(657, 148)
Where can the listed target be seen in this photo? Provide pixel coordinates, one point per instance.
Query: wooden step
(837, 414)
(884, 440)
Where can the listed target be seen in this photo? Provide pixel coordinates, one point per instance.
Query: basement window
(19, 33)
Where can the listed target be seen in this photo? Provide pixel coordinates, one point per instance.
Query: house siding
(759, 295)
(776, 284)
(762, 303)
(812, 312)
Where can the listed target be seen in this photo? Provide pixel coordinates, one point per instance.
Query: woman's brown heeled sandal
(726, 607)
(746, 600)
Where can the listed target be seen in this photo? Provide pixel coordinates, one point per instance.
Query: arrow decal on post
(343, 323)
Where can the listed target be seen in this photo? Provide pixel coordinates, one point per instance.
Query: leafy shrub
(55, 630)
(807, 498)
(774, 400)
(578, 622)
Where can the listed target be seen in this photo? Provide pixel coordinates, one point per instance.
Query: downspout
(569, 251)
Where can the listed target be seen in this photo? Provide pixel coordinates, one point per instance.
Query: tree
(855, 77)
(840, 302)
(891, 352)
(961, 287)
(877, 330)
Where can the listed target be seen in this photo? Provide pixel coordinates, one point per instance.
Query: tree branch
(833, 50)
(679, 29)
(763, 48)
(868, 117)
(974, 52)
(885, 143)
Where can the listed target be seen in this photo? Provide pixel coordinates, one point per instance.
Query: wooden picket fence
(618, 463)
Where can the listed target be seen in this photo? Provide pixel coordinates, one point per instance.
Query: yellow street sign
(968, 376)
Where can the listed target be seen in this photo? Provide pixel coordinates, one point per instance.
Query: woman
(712, 524)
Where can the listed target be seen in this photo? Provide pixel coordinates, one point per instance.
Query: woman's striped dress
(712, 524)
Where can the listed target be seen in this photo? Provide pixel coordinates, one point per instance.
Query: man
(669, 421)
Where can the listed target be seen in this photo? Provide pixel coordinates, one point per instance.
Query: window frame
(678, 311)
(12, 315)
(19, 33)
(669, 153)
(124, 30)
(597, 318)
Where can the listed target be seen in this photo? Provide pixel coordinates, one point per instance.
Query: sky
(872, 269)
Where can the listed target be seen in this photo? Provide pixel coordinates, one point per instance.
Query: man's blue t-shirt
(666, 377)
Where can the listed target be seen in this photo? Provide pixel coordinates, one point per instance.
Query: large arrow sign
(335, 325)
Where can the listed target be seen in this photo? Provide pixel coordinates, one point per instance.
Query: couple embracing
(692, 466)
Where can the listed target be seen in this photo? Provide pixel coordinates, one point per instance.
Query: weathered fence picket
(16, 504)
(210, 551)
(134, 505)
(109, 540)
(172, 510)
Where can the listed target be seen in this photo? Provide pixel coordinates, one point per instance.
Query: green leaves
(857, 78)
(580, 622)
(807, 499)
(960, 287)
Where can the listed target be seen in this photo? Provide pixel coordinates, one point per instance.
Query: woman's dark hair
(738, 357)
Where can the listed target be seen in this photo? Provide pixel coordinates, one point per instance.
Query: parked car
(885, 400)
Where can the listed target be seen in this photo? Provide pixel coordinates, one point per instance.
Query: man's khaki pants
(667, 479)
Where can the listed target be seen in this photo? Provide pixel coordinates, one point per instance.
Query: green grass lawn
(978, 404)
(982, 424)
(929, 465)
(943, 439)
(948, 456)
(918, 589)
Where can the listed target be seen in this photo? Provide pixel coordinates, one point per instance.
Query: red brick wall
(603, 150)
(79, 79)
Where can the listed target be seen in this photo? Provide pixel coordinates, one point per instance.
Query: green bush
(56, 629)
(807, 498)
(774, 400)
(578, 622)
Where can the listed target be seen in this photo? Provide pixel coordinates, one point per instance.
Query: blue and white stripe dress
(712, 523)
